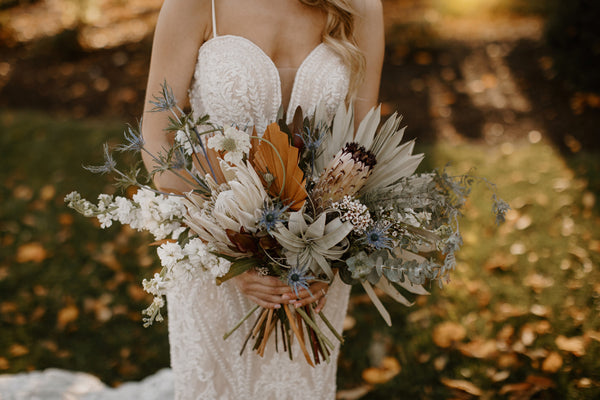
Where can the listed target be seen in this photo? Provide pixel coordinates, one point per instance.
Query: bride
(239, 61)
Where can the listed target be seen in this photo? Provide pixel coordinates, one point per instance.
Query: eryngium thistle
(344, 176)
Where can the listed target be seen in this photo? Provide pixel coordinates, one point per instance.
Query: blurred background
(507, 88)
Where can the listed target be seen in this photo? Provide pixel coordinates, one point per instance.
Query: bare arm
(370, 37)
(181, 28)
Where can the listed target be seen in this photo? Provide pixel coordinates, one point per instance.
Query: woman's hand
(318, 292)
(266, 291)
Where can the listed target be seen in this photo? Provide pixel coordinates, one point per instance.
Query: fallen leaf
(527, 335)
(508, 360)
(540, 310)
(439, 363)
(34, 252)
(463, 385)
(538, 282)
(500, 376)
(515, 387)
(584, 383)
(552, 363)
(593, 335)
(448, 332)
(502, 261)
(523, 222)
(66, 315)
(479, 348)
(353, 394)
(4, 364)
(390, 367)
(47, 192)
(18, 350)
(574, 345)
(542, 327)
(508, 310)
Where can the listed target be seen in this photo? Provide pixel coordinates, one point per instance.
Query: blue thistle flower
(271, 215)
(108, 166)
(133, 138)
(297, 279)
(377, 237)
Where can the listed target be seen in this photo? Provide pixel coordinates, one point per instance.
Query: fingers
(321, 304)
(318, 290)
(263, 303)
(266, 291)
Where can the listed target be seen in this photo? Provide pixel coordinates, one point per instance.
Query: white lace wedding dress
(235, 82)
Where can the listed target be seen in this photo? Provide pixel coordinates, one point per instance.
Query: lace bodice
(235, 82)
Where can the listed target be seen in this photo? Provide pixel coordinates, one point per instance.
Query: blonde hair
(339, 35)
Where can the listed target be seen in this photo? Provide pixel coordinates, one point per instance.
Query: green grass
(70, 292)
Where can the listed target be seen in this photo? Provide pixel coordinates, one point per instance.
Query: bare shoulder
(193, 16)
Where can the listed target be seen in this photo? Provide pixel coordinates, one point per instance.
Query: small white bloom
(169, 254)
(233, 142)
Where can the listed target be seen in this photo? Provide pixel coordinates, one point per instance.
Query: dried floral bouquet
(301, 203)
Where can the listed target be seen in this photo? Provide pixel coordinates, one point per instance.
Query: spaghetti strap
(214, 20)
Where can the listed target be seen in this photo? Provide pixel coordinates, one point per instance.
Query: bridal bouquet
(301, 203)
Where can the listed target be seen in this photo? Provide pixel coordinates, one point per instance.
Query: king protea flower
(344, 176)
(232, 208)
(394, 160)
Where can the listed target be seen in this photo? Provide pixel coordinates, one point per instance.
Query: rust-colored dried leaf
(574, 345)
(479, 348)
(552, 363)
(18, 350)
(390, 367)
(447, 333)
(266, 159)
(463, 385)
(33, 252)
(66, 315)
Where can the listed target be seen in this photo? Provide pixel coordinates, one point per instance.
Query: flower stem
(225, 336)
(331, 328)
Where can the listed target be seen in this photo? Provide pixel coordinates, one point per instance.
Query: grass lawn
(520, 317)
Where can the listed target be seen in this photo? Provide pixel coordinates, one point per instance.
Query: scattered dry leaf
(390, 367)
(34, 252)
(68, 314)
(542, 327)
(538, 282)
(540, 310)
(463, 385)
(592, 335)
(479, 348)
(4, 364)
(18, 350)
(507, 310)
(353, 394)
(574, 345)
(552, 363)
(448, 332)
(500, 376)
(527, 335)
(502, 261)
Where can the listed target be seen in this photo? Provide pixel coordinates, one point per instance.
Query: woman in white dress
(239, 61)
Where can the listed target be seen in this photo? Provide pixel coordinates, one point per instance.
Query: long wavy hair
(339, 35)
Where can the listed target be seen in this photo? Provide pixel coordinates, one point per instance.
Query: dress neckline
(272, 64)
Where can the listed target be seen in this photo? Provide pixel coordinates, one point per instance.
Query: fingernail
(285, 297)
(297, 305)
(277, 306)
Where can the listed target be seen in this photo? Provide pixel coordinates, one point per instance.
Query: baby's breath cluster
(354, 211)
